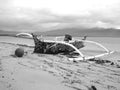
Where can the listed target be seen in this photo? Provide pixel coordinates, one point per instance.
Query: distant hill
(7, 33)
(92, 32)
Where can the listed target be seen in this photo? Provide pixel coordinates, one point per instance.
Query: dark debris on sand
(104, 62)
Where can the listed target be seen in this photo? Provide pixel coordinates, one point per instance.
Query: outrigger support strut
(91, 57)
(98, 45)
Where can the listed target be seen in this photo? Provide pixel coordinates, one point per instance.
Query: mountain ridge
(92, 32)
(78, 32)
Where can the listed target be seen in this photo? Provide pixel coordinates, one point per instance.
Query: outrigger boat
(66, 46)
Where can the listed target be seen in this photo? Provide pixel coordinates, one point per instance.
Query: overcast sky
(42, 15)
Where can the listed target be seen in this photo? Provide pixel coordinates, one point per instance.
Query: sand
(55, 72)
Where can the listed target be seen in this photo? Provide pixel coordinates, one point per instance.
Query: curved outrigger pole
(82, 56)
(27, 34)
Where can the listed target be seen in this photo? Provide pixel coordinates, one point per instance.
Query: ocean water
(109, 42)
(17, 40)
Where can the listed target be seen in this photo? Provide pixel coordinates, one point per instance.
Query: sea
(112, 43)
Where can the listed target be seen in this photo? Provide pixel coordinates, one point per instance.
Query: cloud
(24, 19)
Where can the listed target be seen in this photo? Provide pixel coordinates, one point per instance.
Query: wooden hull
(55, 48)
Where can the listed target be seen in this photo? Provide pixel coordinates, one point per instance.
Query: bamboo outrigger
(66, 46)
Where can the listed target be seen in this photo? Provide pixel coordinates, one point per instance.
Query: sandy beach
(56, 72)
